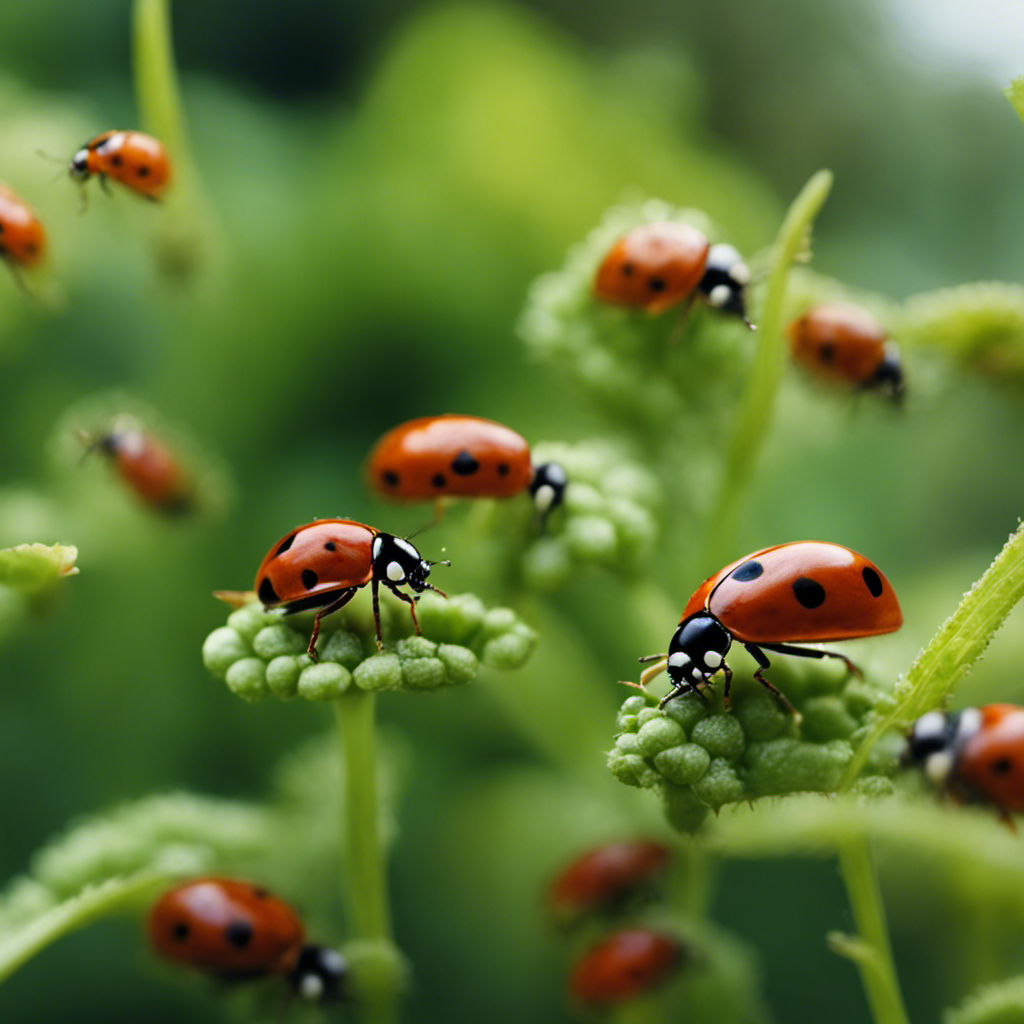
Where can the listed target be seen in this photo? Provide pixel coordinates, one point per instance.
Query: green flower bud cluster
(699, 757)
(981, 324)
(30, 576)
(625, 359)
(610, 516)
(261, 654)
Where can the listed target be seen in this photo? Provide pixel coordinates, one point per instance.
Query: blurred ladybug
(147, 467)
(607, 878)
(135, 160)
(237, 931)
(22, 236)
(846, 343)
(323, 564)
(461, 456)
(803, 591)
(623, 966)
(976, 755)
(660, 265)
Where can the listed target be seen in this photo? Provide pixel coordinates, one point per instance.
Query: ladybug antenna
(91, 443)
(52, 157)
(421, 529)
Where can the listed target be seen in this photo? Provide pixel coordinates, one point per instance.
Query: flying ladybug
(773, 600)
(461, 457)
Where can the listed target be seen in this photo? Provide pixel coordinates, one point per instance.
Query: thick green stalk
(90, 905)
(870, 950)
(365, 876)
(759, 401)
(961, 640)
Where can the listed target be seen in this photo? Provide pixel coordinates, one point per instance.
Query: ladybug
(660, 265)
(137, 161)
(147, 467)
(803, 591)
(22, 236)
(237, 931)
(846, 343)
(623, 966)
(322, 565)
(606, 878)
(461, 456)
(976, 755)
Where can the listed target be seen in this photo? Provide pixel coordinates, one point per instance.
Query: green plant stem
(365, 880)
(1015, 94)
(960, 641)
(759, 401)
(871, 951)
(91, 904)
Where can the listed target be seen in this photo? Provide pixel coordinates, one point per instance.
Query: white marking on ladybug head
(930, 725)
(740, 273)
(377, 545)
(406, 548)
(544, 497)
(678, 660)
(712, 659)
(311, 987)
(969, 724)
(938, 766)
(719, 295)
(395, 572)
(696, 675)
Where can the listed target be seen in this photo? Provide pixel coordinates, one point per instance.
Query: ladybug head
(725, 280)
(319, 974)
(935, 738)
(79, 166)
(697, 650)
(889, 375)
(548, 488)
(396, 561)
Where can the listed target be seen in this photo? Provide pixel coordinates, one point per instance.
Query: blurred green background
(382, 183)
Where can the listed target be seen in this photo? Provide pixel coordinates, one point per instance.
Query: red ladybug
(148, 468)
(846, 343)
(22, 236)
(461, 456)
(976, 754)
(623, 966)
(607, 877)
(137, 161)
(236, 931)
(657, 266)
(804, 591)
(322, 565)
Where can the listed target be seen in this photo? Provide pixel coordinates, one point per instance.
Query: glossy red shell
(990, 764)
(316, 560)
(136, 160)
(852, 596)
(225, 927)
(463, 456)
(149, 468)
(838, 341)
(22, 236)
(623, 966)
(607, 876)
(653, 267)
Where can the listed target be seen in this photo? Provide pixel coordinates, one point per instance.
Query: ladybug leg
(680, 324)
(762, 661)
(411, 602)
(678, 691)
(376, 613)
(105, 185)
(728, 685)
(813, 652)
(346, 596)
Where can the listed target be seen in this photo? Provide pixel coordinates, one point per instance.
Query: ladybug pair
(135, 160)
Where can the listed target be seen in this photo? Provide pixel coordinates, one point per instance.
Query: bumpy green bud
(684, 810)
(30, 576)
(683, 765)
(719, 785)
(720, 736)
(793, 766)
(261, 654)
(826, 718)
(658, 734)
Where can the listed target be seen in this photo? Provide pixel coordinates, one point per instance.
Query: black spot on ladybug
(827, 352)
(464, 464)
(438, 480)
(808, 592)
(330, 546)
(627, 269)
(657, 284)
(260, 893)
(309, 579)
(143, 172)
(748, 571)
(502, 469)
(1, 228)
(181, 931)
(239, 934)
(872, 580)
(1001, 766)
(286, 544)
(390, 477)
(30, 248)
(116, 160)
(267, 593)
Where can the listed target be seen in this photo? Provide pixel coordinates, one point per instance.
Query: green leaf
(1001, 1003)
(1015, 94)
